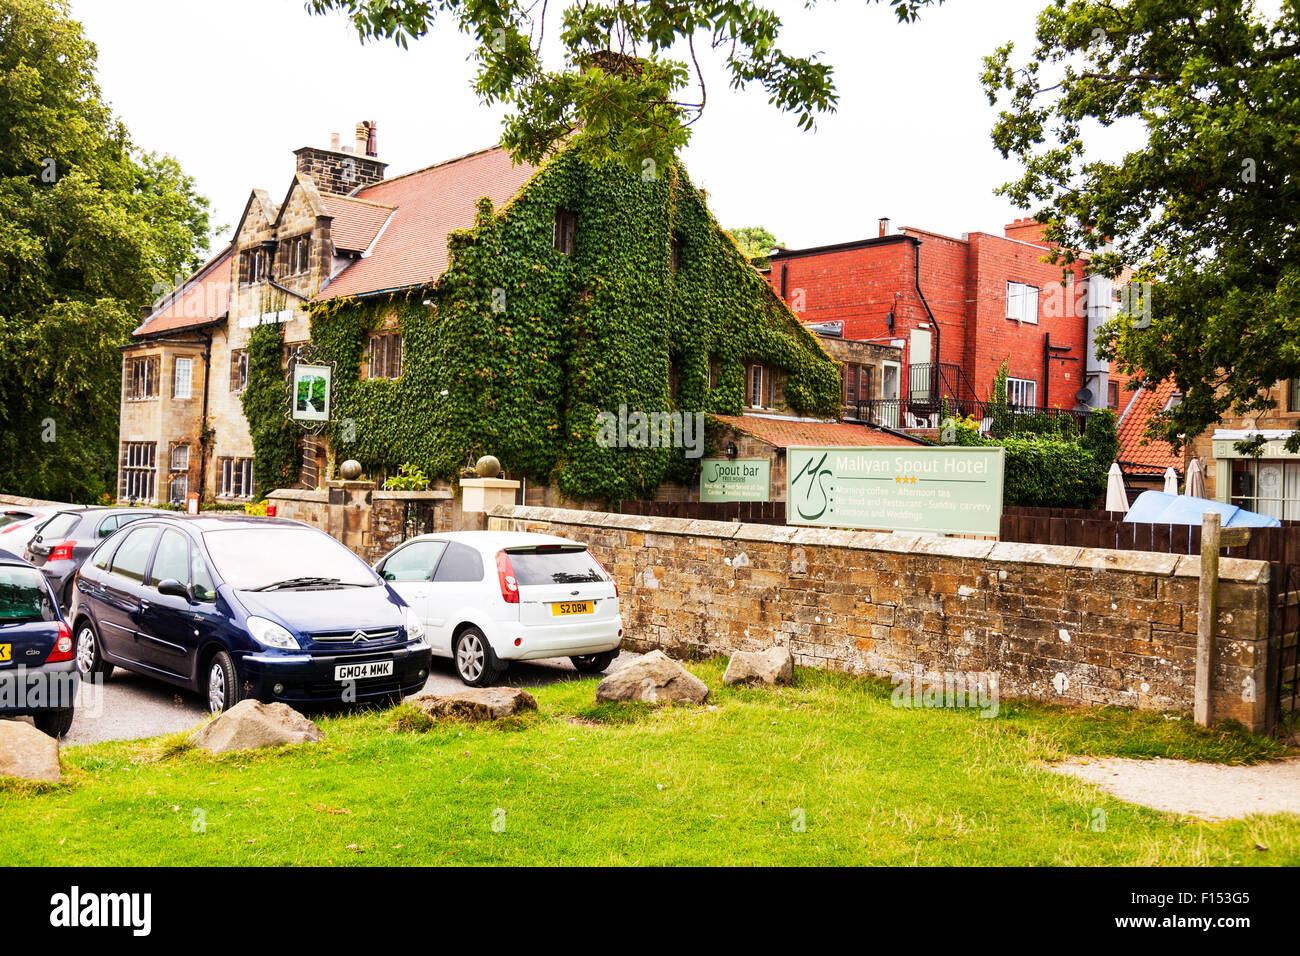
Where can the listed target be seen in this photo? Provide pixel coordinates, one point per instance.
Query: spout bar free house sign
(735, 479)
(945, 490)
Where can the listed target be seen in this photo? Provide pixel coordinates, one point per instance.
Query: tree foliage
(1204, 210)
(91, 228)
(629, 85)
(756, 243)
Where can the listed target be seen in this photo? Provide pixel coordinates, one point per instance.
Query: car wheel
(593, 663)
(54, 723)
(89, 659)
(222, 683)
(476, 665)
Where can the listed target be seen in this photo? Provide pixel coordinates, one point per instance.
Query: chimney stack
(345, 167)
(367, 139)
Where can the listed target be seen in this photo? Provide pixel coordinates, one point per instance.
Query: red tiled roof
(202, 299)
(1137, 455)
(430, 203)
(355, 222)
(784, 432)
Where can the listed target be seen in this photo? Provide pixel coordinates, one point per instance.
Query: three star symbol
(905, 479)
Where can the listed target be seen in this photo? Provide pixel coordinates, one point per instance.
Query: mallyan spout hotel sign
(946, 490)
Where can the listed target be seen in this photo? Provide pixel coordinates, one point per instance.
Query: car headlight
(269, 634)
(414, 626)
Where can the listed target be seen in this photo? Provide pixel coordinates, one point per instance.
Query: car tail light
(61, 551)
(62, 645)
(506, 577)
(608, 577)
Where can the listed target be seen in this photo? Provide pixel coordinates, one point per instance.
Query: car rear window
(58, 526)
(555, 566)
(23, 596)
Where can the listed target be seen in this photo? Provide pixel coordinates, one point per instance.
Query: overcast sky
(231, 88)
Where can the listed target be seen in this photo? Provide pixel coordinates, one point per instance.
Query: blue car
(38, 672)
(237, 607)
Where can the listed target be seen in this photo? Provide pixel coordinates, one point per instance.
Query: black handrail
(930, 412)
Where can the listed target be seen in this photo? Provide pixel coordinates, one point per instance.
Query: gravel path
(1204, 790)
(129, 706)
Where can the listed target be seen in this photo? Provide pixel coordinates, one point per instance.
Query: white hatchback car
(490, 597)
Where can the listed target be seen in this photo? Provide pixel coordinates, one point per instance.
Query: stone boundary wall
(1063, 624)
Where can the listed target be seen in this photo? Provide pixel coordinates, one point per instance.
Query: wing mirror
(174, 588)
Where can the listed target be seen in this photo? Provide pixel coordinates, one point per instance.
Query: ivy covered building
(479, 306)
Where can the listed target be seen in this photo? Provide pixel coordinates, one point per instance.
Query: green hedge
(1049, 471)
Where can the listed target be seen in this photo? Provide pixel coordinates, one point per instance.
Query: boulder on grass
(27, 753)
(654, 678)
(477, 703)
(772, 666)
(251, 724)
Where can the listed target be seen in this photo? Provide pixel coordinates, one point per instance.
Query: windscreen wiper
(303, 582)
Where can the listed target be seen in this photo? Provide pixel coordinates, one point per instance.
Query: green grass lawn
(579, 783)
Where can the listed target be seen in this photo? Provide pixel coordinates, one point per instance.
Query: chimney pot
(884, 225)
(334, 141)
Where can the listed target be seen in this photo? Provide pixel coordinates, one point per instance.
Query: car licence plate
(363, 671)
(6, 653)
(571, 607)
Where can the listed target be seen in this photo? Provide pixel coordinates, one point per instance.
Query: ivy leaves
(522, 346)
(275, 439)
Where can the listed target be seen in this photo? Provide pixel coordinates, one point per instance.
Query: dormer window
(565, 225)
(252, 266)
(296, 254)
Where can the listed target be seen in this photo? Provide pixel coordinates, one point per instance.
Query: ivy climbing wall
(521, 346)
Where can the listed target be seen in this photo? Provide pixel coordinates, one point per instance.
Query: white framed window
(238, 370)
(1269, 486)
(178, 489)
(138, 470)
(236, 478)
(141, 379)
(759, 390)
(1022, 392)
(180, 458)
(1022, 302)
(183, 379)
(384, 355)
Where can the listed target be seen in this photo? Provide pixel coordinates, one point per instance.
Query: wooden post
(1207, 615)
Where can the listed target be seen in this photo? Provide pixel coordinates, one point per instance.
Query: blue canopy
(1156, 507)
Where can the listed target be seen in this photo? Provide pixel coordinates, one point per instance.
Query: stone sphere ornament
(350, 470)
(488, 467)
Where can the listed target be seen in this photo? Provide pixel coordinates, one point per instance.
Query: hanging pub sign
(310, 390)
(311, 393)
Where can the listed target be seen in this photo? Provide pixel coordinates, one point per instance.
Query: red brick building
(958, 307)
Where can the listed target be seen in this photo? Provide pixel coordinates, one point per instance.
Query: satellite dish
(1083, 396)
